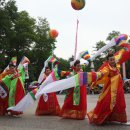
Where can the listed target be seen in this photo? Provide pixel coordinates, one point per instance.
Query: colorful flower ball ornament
(53, 33)
(121, 39)
(77, 4)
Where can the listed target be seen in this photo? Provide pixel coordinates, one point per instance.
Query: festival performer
(51, 105)
(111, 104)
(75, 105)
(3, 89)
(14, 83)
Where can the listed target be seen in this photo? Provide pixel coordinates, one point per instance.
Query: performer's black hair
(76, 62)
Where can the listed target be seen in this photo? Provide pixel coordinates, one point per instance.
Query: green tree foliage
(16, 29)
(112, 35)
(99, 60)
(43, 44)
(63, 64)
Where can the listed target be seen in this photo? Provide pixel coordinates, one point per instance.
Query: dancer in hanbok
(13, 84)
(111, 104)
(48, 104)
(75, 104)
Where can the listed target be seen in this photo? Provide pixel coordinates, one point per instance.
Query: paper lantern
(53, 33)
(77, 4)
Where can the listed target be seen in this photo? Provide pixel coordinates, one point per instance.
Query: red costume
(111, 104)
(50, 107)
(69, 110)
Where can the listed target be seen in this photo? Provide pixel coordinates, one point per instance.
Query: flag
(53, 60)
(85, 55)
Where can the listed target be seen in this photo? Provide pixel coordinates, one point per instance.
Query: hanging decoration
(53, 33)
(77, 4)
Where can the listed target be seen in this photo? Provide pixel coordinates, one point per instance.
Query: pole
(76, 40)
(52, 55)
(124, 70)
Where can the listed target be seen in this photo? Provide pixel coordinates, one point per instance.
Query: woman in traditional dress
(111, 104)
(75, 104)
(49, 106)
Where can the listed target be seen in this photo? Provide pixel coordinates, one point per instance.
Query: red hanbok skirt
(75, 111)
(102, 112)
(3, 106)
(51, 107)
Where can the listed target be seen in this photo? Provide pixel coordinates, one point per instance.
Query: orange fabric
(111, 103)
(4, 73)
(72, 111)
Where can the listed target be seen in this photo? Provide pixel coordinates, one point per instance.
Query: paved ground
(29, 121)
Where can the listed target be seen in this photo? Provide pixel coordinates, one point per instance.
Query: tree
(24, 36)
(42, 45)
(112, 35)
(99, 60)
(8, 13)
(63, 64)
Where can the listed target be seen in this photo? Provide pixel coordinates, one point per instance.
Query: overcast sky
(96, 20)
